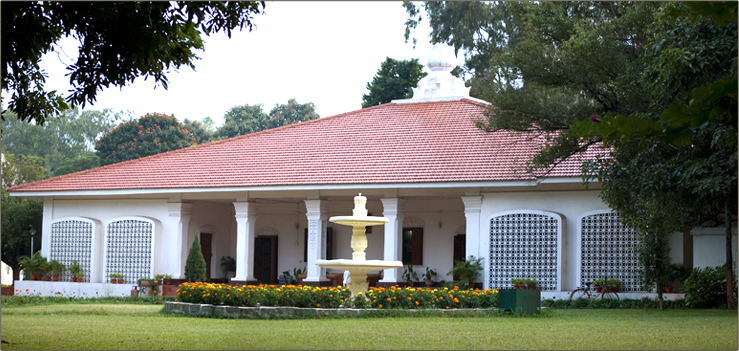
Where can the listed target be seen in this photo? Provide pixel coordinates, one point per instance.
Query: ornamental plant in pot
(531, 283)
(614, 284)
(429, 276)
(167, 279)
(57, 268)
(467, 270)
(229, 265)
(409, 275)
(75, 270)
(159, 277)
(518, 283)
(599, 284)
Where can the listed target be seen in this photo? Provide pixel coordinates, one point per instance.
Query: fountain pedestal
(358, 266)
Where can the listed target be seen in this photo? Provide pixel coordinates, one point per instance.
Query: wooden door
(459, 249)
(265, 259)
(206, 245)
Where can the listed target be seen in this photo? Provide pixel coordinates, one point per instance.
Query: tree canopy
(19, 213)
(119, 41)
(247, 119)
(393, 80)
(149, 135)
(69, 136)
(651, 83)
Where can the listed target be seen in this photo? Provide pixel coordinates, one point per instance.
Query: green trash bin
(521, 301)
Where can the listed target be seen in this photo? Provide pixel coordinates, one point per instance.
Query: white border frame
(560, 240)
(155, 238)
(95, 244)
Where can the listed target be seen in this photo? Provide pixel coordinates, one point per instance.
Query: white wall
(218, 219)
(709, 247)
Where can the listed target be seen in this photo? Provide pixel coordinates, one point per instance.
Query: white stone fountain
(358, 266)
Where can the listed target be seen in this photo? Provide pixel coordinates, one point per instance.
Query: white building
(449, 189)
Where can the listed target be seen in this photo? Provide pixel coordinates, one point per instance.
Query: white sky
(320, 52)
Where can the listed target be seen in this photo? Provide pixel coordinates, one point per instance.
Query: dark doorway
(206, 245)
(265, 259)
(459, 250)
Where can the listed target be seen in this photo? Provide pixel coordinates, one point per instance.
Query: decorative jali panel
(524, 245)
(72, 240)
(128, 249)
(608, 251)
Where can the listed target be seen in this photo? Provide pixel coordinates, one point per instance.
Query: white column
(246, 217)
(317, 218)
(178, 223)
(473, 237)
(44, 234)
(393, 209)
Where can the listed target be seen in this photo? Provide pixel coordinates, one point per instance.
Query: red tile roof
(392, 143)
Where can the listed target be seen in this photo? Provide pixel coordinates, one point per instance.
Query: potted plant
(409, 275)
(44, 269)
(31, 265)
(517, 283)
(614, 284)
(167, 279)
(299, 274)
(599, 284)
(229, 265)
(57, 268)
(467, 270)
(531, 283)
(159, 277)
(429, 276)
(80, 277)
(75, 270)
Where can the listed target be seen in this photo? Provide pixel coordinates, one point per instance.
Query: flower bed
(334, 297)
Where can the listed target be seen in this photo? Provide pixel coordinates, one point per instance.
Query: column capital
(178, 209)
(392, 206)
(315, 208)
(472, 203)
(245, 209)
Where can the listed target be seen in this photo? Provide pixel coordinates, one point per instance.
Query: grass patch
(141, 326)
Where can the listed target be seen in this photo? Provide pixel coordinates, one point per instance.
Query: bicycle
(590, 293)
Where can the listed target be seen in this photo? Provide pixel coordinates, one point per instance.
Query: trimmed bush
(706, 288)
(334, 297)
(644, 303)
(195, 266)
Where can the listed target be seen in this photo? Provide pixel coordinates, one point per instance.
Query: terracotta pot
(429, 283)
(668, 289)
(159, 282)
(121, 280)
(47, 278)
(615, 288)
(532, 287)
(34, 277)
(167, 282)
(56, 278)
(598, 288)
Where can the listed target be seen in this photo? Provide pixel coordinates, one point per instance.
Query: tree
(69, 136)
(149, 135)
(393, 80)
(19, 213)
(635, 79)
(195, 266)
(80, 163)
(119, 41)
(202, 132)
(247, 119)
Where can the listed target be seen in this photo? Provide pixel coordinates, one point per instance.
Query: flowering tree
(149, 135)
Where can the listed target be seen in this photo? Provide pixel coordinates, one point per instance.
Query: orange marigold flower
(456, 300)
(409, 299)
(318, 305)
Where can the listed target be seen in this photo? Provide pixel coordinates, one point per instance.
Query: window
(413, 246)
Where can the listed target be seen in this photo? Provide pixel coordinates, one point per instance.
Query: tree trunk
(16, 273)
(729, 261)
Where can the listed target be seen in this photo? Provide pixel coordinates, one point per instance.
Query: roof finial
(440, 85)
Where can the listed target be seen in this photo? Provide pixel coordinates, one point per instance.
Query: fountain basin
(359, 221)
(358, 271)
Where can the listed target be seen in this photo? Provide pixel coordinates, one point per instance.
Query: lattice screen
(128, 249)
(523, 245)
(608, 251)
(71, 240)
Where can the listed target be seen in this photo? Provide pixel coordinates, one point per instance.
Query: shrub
(307, 296)
(195, 266)
(706, 288)
(644, 303)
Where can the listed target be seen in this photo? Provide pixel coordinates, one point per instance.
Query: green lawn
(129, 326)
